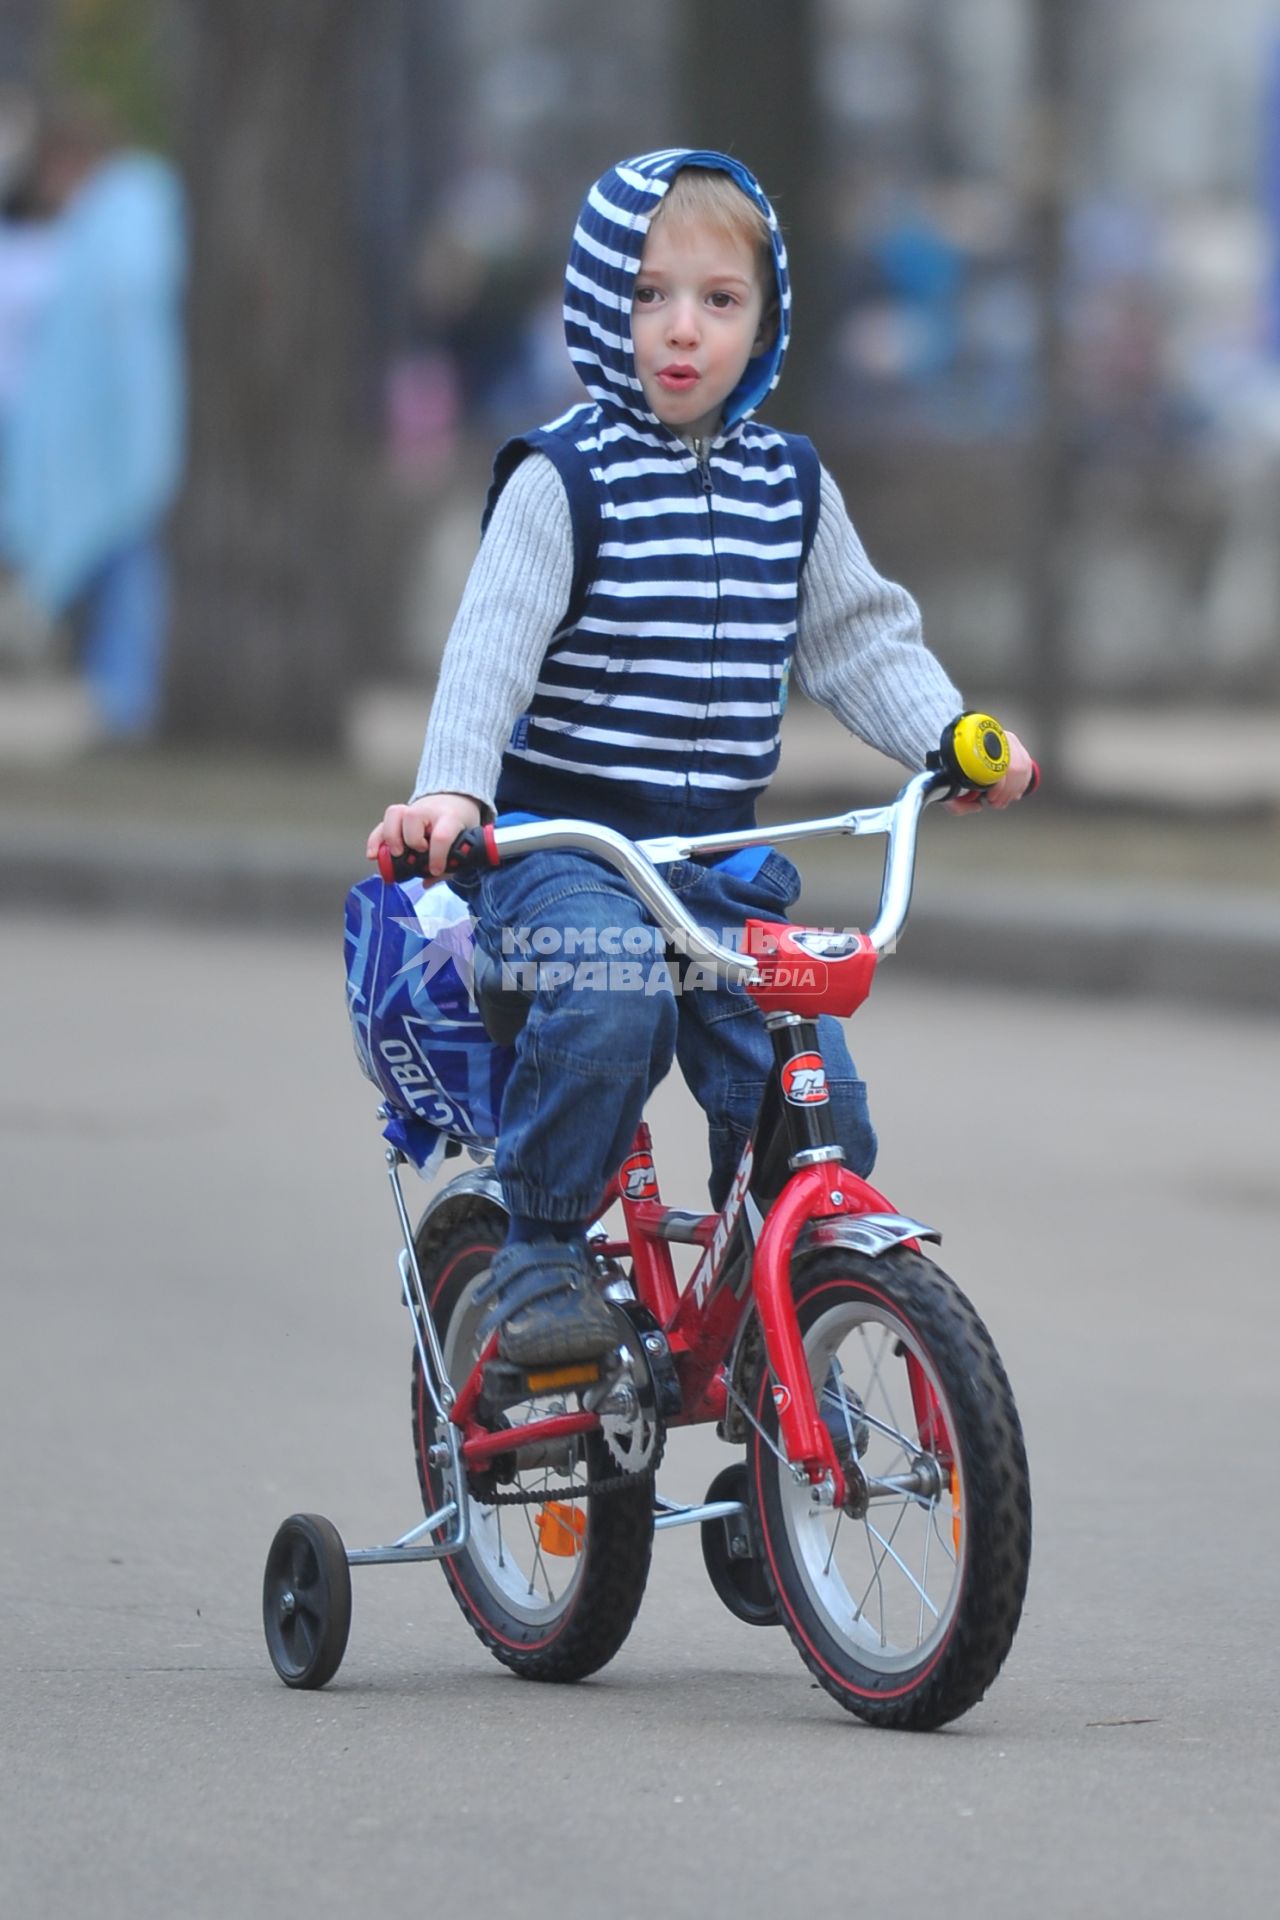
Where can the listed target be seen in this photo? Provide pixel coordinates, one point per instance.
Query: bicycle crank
(627, 1410)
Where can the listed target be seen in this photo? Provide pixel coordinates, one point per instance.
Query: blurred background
(276, 278)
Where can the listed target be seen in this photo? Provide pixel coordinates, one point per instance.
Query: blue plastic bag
(418, 1036)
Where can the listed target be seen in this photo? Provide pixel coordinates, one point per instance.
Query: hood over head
(604, 260)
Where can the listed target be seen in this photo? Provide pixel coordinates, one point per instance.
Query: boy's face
(695, 322)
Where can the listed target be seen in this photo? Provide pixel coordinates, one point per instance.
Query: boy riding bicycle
(653, 564)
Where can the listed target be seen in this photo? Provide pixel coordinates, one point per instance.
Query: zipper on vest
(703, 457)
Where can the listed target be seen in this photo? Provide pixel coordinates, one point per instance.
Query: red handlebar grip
(473, 848)
(400, 866)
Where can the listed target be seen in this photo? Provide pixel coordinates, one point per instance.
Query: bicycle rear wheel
(904, 1602)
(551, 1585)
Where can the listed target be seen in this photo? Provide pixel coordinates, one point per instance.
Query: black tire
(910, 1634)
(541, 1626)
(730, 1556)
(306, 1600)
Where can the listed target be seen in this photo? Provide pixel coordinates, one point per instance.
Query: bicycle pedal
(579, 1373)
(505, 1384)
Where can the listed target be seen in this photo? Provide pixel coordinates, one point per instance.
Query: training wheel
(736, 1573)
(306, 1600)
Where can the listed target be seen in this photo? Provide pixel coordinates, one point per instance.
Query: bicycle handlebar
(638, 862)
(973, 754)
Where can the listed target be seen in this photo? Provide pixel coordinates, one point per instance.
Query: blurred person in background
(28, 250)
(473, 360)
(27, 241)
(91, 457)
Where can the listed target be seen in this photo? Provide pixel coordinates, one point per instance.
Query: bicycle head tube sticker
(804, 1080)
(781, 1397)
(637, 1178)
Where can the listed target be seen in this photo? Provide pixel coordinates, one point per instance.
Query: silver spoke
(900, 1439)
(924, 1576)
(873, 1378)
(875, 1580)
(876, 1379)
(538, 1561)
(835, 1531)
(900, 1562)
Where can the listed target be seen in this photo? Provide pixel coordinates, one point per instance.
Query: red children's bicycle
(878, 1506)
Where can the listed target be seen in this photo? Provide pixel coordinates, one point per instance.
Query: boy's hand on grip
(990, 766)
(426, 828)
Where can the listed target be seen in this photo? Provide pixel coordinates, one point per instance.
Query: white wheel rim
(886, 1587)
(532, 1584)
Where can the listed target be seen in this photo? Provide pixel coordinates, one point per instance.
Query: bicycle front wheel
(904, 1601)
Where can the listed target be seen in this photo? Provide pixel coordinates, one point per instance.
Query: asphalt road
(201, 1333)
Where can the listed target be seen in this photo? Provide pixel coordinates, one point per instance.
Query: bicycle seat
(503, 1008)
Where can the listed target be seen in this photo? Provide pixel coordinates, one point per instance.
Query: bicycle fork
(822, 1189)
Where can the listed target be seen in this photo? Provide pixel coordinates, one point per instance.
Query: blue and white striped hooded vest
(659, 701)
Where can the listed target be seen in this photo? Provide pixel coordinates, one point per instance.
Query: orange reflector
(560, 1529)
(576, 1376)
(955, 1507)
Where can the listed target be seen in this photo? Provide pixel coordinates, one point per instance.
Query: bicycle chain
(615, 1483)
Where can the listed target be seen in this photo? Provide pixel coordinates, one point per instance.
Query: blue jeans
(606, 1021)
(125, 620)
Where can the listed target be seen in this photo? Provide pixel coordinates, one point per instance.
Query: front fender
(868, 1233)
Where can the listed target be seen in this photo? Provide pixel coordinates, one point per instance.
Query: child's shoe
(545, 1306)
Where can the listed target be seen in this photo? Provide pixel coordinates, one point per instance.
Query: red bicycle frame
(799, 974)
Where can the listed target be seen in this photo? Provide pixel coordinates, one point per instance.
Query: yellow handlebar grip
(979, 749)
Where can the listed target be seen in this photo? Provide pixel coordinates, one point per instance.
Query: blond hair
(704, 196)
(714, 200)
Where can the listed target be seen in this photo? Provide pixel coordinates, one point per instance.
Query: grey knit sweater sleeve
(515, 598)
(859, 648)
